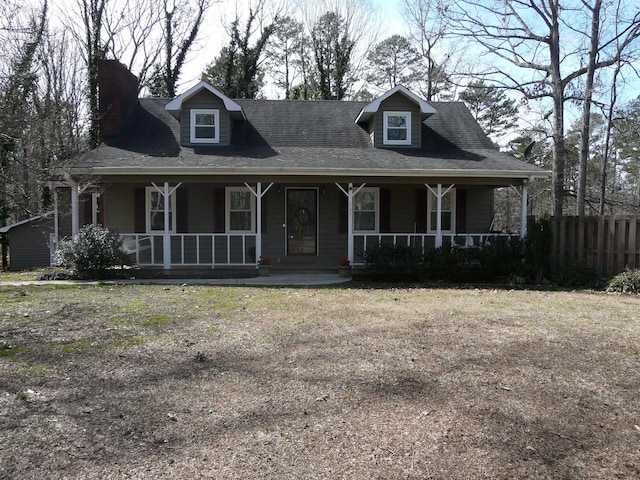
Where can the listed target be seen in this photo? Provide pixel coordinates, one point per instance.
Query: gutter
(281, 171)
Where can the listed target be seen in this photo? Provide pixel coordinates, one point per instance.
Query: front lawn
(334, 383)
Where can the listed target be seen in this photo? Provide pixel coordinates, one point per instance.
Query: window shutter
(461, 211)
(218, 210)
(182, 210)
(87, 202)
(385, 210)
(101, 210)
(421, 210)
(263, 217)
(139, 210)
(343, 215)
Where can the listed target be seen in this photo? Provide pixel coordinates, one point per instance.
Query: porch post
(350, 193)
(75, 217)
(523, 219)
(56, 226)
(439, 217)
(56, 218)
(258, 222)
(258, 193)
(166, 236)
(350, 224)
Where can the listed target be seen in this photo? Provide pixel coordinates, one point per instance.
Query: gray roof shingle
(296, 136)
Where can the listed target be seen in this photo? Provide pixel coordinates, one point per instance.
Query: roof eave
(282, 171)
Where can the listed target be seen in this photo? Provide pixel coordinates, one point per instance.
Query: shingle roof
(295, 136)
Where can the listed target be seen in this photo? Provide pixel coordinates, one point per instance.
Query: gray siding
(118, 206)
(204, 99)
(479, 209)
(398, 103)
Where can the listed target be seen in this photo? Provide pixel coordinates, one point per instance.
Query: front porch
(310, 224)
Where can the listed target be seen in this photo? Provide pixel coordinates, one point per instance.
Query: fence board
(607, 243)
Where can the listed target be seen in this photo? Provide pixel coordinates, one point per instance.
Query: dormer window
(397, 128)
(205, 126)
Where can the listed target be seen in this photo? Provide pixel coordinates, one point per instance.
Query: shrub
(625, 282)
(501, 258)
(394, 262)
(577, 275)
(91, 253)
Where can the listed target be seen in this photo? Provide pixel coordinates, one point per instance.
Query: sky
(213, 37)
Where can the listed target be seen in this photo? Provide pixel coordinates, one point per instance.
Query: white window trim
(375, 190)
(432, 206)
(227, 210)
(172, 207)
(216, 116)
(385, 126)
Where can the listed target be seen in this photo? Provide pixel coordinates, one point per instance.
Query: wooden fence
(607, 243)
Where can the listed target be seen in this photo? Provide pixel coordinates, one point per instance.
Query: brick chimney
(117, 95)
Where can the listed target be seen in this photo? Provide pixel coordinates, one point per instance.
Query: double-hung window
(155, 211)
(241, 208)
(397, 128)
(205, 125)
(366, 210)
(448, 209)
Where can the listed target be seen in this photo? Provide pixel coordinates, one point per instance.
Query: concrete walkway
(275, 280)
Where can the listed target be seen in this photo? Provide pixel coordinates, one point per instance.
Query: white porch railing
(423, 241)
(192, 249)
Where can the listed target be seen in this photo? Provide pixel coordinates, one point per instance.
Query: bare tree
(180, 27)
(429, 27)
(237, 70)
(17, 90)
(618, 38)
(534, 36)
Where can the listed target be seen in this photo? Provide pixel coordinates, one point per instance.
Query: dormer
(206, 116)
(394, 119)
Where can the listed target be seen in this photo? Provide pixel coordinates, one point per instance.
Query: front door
(302, 221)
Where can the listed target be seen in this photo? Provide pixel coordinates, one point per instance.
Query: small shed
(26, 244)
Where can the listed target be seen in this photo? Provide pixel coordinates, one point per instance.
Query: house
(203, 180)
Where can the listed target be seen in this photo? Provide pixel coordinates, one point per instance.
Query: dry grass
(239, 383)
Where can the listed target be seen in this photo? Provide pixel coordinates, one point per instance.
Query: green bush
(577, 275)
(91, 253)
(500, 258)
(393, 262)
(625, 282)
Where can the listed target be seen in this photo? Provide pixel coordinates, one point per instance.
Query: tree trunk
(586, 109)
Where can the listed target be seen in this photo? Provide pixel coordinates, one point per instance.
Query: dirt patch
(237, 383)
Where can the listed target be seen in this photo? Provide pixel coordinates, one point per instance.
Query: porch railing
(192, 249)
(423, 241)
